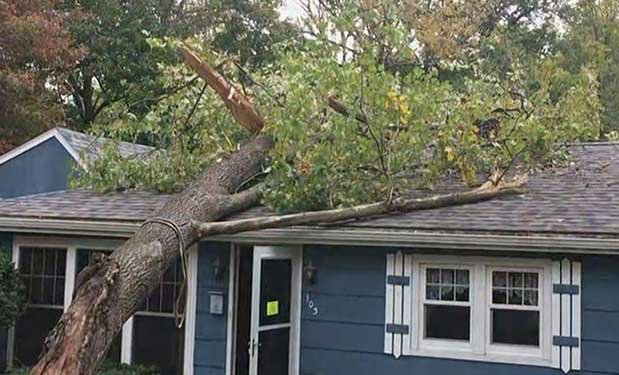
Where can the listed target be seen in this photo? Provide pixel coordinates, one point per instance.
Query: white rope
(179, 317)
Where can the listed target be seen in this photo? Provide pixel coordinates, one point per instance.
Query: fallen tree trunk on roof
(110, 291)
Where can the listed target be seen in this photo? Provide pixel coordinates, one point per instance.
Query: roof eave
(339, 236)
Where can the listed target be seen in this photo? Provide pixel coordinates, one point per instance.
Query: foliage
(422, 124)
(38, 52)
(12, 292)
(107, 368)
(592, 40)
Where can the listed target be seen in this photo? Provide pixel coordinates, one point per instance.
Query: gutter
(337, 236)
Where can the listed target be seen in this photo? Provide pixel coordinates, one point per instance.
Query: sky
(291, 9)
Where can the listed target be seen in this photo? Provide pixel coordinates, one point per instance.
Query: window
(485, 309)
(447, 309)
(515, 308)
(43, 273)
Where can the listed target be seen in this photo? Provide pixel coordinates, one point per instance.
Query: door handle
(253, 344)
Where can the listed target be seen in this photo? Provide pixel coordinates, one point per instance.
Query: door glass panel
(275, 291)
(274, 352)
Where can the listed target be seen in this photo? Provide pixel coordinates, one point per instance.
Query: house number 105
(311, 304)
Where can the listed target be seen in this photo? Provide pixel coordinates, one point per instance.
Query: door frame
(295, 306)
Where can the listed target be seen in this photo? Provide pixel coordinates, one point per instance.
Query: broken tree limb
(239, 105)
(398, 205)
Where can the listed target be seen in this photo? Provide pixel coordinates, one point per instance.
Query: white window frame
(442, 344)
(480, 291)
(72, 244)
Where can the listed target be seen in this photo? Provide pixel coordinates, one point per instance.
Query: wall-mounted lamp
(311, 273)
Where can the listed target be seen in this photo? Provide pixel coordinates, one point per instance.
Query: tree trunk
(118, 284)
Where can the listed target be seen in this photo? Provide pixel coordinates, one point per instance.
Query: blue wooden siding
(211, 330)
(43, 168)
(6, 246)
(347, 334)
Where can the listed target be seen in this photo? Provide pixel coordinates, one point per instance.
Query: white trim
(556, 314)
(408, 304)
(232, 303)
(126, 342)
(295, 254)
(69, 276)
(66, 242)
(53, 133)
(479, 349)
(190, 311)
(566, 319)
(417, 239)
(576, 323)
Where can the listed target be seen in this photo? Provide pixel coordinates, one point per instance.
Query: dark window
(515, 310)
(163, 299)
(274, 351)
(275, 291)
(447, 313)
(43, 273)
(158, 342)
(447, 322)
(515, 327)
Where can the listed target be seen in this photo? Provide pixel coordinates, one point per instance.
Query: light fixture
(310, 272)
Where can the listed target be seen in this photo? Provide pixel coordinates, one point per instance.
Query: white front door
(275, 311)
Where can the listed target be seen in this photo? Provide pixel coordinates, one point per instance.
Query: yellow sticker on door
(272, 308)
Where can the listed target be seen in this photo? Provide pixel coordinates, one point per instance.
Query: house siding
(211, 330)
(6, 246)
(347, 336)
(41, 169)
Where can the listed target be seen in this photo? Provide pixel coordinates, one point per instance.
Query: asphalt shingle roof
(92, 146)
(581, 200)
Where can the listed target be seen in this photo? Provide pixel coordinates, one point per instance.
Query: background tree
(38, 52)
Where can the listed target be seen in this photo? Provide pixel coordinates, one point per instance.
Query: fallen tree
(109, 291)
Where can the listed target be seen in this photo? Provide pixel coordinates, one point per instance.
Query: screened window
(515, 307)
(43, 273)
(447, 308)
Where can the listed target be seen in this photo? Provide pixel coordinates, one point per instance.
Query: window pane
(499, 296)
(31, 330)
(37, 261)
(447, 276)
(462, 277)
(447, 293)
(515, 327)
(447, 322)
(530, 297)
(433, 275)
(515, 297)
(499, 279)
(25, 261)
(515, 280)
(432, 292)
(462, 294)
(158, 342)
(530, 280)
(275, 289)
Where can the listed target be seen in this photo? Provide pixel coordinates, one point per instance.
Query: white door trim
(295, 253)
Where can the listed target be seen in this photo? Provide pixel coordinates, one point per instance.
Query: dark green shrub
(12, 292)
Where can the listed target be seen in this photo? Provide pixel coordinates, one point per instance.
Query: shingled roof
(580, 200)
(78, 145)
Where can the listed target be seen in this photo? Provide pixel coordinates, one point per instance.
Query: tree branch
(486, 192)
(238, 104)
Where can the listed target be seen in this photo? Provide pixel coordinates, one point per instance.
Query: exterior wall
(347, 335)
(211, 330)
(41, 169)
(6, 245)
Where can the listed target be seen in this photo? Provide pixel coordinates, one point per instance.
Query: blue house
(45, 163)
(519, 285)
